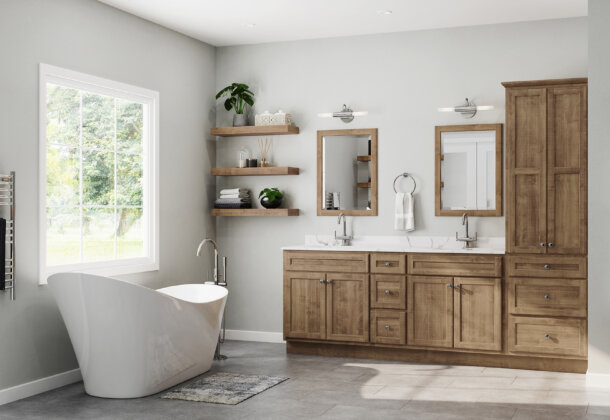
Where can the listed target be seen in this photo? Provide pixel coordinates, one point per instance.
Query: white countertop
(419, 244)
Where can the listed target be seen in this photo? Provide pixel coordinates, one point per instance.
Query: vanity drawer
(388, 291)
(389, 263)
(455, 265)
(388, 327)
(553, 336)
(554, 266)
(560, 297)
(330, 261)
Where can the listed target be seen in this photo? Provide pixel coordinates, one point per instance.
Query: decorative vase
(240, 120)
(270, 204)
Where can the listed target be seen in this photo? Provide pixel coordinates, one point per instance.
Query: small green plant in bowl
(271, 198)
(239, 95)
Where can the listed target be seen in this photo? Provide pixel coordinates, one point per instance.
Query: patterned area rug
(224, 388)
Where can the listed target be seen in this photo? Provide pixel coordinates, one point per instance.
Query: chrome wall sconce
(467, 110)
(346, 114)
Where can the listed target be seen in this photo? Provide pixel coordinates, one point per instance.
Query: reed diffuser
(264, 144)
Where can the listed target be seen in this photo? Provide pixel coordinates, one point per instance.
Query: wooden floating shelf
(364, 158)
(255, 130)
(364, 185)
(270, 170)
(255, 212)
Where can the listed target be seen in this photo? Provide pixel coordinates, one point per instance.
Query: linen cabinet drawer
(546, 266)
(554, 336)
(331, 261)
(388, 291)
(388, 327)
(388, 263)
(560, 297)
(455, 265)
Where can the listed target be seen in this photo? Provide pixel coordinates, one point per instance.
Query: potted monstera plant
(271, 198)
(238, 96)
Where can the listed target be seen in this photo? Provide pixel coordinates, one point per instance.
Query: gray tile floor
(341, 388)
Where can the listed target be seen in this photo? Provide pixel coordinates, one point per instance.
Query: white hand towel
(235, 195)
(409, 214)
(399, 212)
(234, 191)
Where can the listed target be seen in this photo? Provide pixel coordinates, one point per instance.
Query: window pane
(62, 176)
(98, 121)
(63, 236)
(98, 177)
(129, 126)
(129, 180)
(130, 237)
(63, 115)
(98, 234)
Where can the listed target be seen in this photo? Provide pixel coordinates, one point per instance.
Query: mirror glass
(468, 170)
(347, 172)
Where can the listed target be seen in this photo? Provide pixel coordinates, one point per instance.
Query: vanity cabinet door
(567, 172)
(347, 307)
(430, 311)
(526, 170)
(304, 305)
(477, 319)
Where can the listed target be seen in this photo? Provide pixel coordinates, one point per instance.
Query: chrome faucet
(217, 281)
(217, 276)
(468, 241)
(345, 239)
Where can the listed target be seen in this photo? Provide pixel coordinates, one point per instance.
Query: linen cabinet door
(567, 170)
(430, 311)
(304, 305)
(347, 307)
(526, 167)
(477, 306)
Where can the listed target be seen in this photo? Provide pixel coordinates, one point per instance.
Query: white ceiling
(233, 22)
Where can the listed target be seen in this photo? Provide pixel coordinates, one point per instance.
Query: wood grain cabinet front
(455, 265)
(551, 336)
(553, 266)
(388, 326)
(304, 305)
(388, 263)
(554, 297)
(388, 291)
(430, 311)
(330, 261)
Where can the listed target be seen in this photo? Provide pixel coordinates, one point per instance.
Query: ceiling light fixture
(468, 110)
(346, 114)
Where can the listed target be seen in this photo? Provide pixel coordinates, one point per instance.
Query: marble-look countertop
(415, 244)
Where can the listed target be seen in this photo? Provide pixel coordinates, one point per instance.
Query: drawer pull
(456, 287)
(449, 286)
(547, 336)
(387, 264)
(387, 292)
(387, 327)
(546, 297)
(547, 266)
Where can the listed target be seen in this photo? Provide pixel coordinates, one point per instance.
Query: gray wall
(599, 175)
(401, 79)
(87, 36)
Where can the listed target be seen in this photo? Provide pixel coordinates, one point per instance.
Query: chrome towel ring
(406, 175)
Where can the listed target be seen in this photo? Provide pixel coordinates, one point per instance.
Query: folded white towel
(404, 218)
(234, 195)
(234, 191)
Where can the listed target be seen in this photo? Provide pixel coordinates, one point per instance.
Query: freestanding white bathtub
(132, 341)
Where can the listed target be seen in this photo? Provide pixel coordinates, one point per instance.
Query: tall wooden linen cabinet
(546, 217)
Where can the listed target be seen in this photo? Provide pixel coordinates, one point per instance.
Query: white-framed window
(99, 184)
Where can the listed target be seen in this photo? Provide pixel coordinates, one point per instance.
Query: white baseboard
(262, 336)
(598, 381)
(38, 386)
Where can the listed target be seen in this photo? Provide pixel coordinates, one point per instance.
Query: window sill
(104, 268)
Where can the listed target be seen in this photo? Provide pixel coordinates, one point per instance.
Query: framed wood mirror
(347, 172)
(468, 170)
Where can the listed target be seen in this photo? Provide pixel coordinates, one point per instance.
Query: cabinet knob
(546, 297)
(457, 286)
(550, 245)
(542, 244)
(547, 336)
(387, 327)
(387, 264)
(328, 281)
(547, 266)
(448, 286)
(387, 292)
(321, 280)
